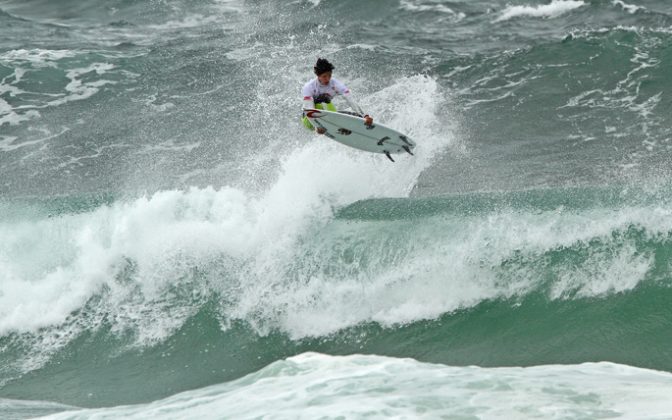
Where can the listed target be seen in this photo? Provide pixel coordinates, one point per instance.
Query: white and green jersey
(335, 87)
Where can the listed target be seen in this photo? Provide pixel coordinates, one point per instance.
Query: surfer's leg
(331, 107)
(306, 121)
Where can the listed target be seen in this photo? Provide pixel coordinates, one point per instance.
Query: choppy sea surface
(174, 244)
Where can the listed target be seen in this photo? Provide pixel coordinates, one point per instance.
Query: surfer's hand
(368, 120)
(321, 130)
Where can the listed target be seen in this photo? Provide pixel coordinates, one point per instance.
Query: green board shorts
(306, 121)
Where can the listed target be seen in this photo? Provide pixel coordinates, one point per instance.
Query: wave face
(167, 225)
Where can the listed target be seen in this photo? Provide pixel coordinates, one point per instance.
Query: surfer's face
(324, 78)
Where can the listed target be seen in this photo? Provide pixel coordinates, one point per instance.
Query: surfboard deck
(350, 130)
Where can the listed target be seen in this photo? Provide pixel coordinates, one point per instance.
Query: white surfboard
(351, 131)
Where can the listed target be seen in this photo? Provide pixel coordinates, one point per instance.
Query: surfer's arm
(353, 105)
(345, 92)
(308, 102)
(342, 89)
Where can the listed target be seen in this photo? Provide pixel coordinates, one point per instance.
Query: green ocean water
(167, 225)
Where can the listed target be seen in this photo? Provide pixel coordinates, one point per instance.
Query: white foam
(192, 21)
(10, 88)
(52, 267)
(429, 6)
(604, 275)
(37, 57)
(8, 116)
(630, 8)
(445, 264)
(82, 90)
(76, 89)
(600, 32)
(313, 385)
(552, 10)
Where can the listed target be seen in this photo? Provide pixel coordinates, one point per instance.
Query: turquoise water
(173, 243)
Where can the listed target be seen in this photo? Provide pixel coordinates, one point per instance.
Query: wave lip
(552, 10)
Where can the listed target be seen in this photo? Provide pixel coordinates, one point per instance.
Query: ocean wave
(550, 11)
(643, 31)
(138, 255)
(429, 6)
(35, 56)
(310, 385)
(630, 8)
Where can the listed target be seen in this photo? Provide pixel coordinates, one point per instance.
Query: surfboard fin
(408, 150)
(380, 142)
(388, 156)
(405, 140)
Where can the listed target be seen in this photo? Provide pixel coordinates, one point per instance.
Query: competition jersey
(314, 88)
(335, 87)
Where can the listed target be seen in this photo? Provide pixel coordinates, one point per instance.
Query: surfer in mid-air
(318, 93)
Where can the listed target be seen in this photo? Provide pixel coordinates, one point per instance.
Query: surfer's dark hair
(322, 66)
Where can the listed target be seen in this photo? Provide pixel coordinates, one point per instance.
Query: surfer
(319, 92)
